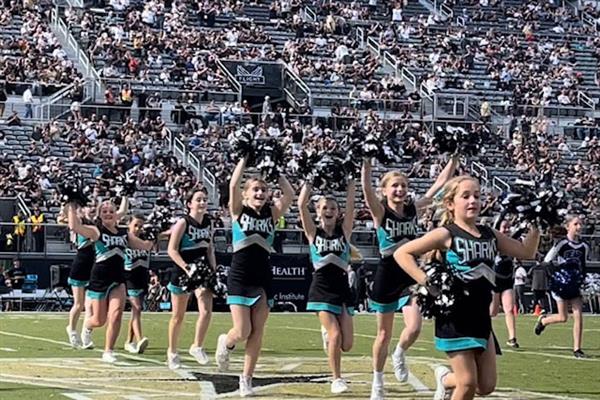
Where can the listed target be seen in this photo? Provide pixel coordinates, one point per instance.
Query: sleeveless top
(326, 250)
(254, 228)
(196, 238)
(395, 230)
(110, 247)
(136, 258)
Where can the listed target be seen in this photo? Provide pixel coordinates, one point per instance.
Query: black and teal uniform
(470, 258)
(391, 284)
(81, 268)
(571, 261)
(109, 270)
(137, 277)
(250, 274)
(504, 268)
(193, 246)
(329, 289)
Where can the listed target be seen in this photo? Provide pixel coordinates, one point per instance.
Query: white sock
(87, 330)
(399, 350)
(377, 378)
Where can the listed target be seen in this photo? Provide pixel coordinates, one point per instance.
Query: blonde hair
(323, 200)
(570, 217)
(447, 195)
(388, 176)
(250, 181)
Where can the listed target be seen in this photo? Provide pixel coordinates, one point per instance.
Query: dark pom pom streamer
(535, 203)
(269, 157)
(199, 273)
(566, 281)
(242, 142)
(360, 143)
(217, 282)
(457, 140)
(328, 174)
(71, 187)
(126, 185)
(159, 220)
(443, 289)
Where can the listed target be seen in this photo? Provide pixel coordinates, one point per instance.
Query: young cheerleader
(469, 249)
(106, 289)
(191, 240)
(329, 294)
(137, 263)
(569, 253)
(249, 280)
(503, 290)
(395, 220)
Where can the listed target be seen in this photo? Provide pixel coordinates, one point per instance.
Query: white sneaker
(199, 354)
(109, 357)
(339, 386)
(376, 392)
(222, 353)
(130, 347)
(141, 345)
(73, 338)
(441, 393)
(399, 364)
(86, 339)
(246, 386)
(325, 338)
(173, 361)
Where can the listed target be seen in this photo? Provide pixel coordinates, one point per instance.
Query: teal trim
(93, 295)
(384, 308)
(350, 311)
(135, 292)
(77, 283)
(463, 343)
(454, 261)
(383, 240)
(243, 301)
(270, 303)
(332, 308)
(176, 290)
(237, 232)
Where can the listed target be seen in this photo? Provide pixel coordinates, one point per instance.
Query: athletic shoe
(173, 361)
(339, 386)
(199, 354)
(399, 364)
(441, 393)
(324, 338)
(539, 327)
(109, 357)
(222, 353)
(86, 339)
(579, 354)
(131, 348)
(376, 392)
(246, 386)
(513, 343)
(73, 338)
(141, 345)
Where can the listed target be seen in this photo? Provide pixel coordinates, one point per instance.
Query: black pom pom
(457, 140)
(159, 220)
(443, 289)
(71, 187)
(269, 157)
(199, 272)
(539, 204)
(242, 142)
(126, 185)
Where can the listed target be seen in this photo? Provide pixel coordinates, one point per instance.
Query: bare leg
(179, 302)
(381, 345)
(576, 307)
(205, 301)
(116, 304)
(135, 323)
(412, 325)
(334, 343)
(508, 303)
(259, 315)
(77, 308)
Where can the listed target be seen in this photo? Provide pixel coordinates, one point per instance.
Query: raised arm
(123, 208)
(406, 256)
(282, 205)
(173, 248)
(87, 231)
(371, 199)
(137, 243)
(307, 221)
(348, 223)
(525, 250)
(235, 193)
(446, 174)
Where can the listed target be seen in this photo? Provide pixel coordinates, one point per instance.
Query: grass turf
(36, 361)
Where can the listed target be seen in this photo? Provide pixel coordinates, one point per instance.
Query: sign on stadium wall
(256, 74)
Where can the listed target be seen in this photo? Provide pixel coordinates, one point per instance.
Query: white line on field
(416, 383)
(77, 396)
(290, 367)
(134, 397)
(207, 389)
(537, 395)
(8, 349)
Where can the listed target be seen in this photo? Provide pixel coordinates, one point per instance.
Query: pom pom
(566, 281)
(269, 157)
(160, 220)
(217, 282)
(457, 140)
(242, 142)
(360, 143)
(591, 285)
(126, 185)
(443, 289)
(198, 274)
(71, 187)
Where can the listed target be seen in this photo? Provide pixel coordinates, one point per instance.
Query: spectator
(28, 102)
(520, 281)
(19, 231)
(539, 285)
(16, 275)
(3, 98)
(37, 220)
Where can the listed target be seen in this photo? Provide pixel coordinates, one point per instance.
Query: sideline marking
(207, 389)
(8, 349)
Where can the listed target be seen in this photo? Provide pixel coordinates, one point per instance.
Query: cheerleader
(249, 279)
(503, 290)
(470, 250)
(190, 242)
(571, 255)
(137, 263)
(106, 289)
(329, 294)
(395, 220)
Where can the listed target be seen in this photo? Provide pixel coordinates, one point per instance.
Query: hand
(433, 290)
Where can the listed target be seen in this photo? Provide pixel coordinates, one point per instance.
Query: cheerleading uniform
(570, 272)
(504, 268)
(391, 285)
(330, 290)
(250, 273)
(81, 268)
(193, 246)
(137, 277)
(469, 325)
(108, 271)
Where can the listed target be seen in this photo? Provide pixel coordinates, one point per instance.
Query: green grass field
(37, 362)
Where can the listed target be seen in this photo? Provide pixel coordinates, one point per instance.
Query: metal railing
(500, 185)
(589, 20)
(360, 34)
(480, 171)
(584, 100)
(309, 14)
(237, 86)
(296, 88)
(22, 204)
(446, 12)
(373, 45)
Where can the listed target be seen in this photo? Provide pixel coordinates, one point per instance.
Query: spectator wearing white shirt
(28, 101)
